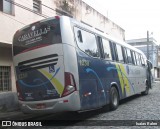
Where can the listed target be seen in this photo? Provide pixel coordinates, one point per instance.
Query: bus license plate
(40, 106)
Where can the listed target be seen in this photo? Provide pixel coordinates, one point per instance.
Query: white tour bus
(65, 65)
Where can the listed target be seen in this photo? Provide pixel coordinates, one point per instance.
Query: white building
(14, 14)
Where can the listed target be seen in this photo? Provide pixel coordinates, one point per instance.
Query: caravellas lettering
(34, 34)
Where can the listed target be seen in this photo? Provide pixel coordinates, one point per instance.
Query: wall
(5, 56)
(92, 17)
(6, 60)
(159, 57)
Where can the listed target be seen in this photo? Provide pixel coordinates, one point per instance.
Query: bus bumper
(68, 103)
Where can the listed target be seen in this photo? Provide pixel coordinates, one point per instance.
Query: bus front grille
(37, 63)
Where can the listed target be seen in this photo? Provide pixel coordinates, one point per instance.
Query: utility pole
(147, 44)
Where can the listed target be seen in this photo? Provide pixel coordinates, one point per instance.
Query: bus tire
(114, 99)
(146, 90)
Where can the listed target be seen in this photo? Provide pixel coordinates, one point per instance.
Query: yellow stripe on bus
(126, 82)
(120, 78)
(59, 87)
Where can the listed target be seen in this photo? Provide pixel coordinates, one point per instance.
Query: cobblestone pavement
(137, 108)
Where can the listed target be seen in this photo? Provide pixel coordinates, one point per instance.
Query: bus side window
(114, 51)
(86, 41)
(140, 60)
(124, 55)
(100, 45)
(107, 49)
(137, 58)
(143, 63)
(129, 57)
(134, 57)
(119, 52)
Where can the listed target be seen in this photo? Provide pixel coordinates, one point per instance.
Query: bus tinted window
(86, 42)
(140, 59)
(137, 58)
(134, 57)
(107, 50)
(129, 57)
(113, 51)
(124, 54)
(119, 52)
(143, 62)
(37, 35)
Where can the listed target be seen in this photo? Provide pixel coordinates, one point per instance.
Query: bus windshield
(37, 35)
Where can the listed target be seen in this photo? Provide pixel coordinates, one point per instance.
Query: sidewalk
(8, 101)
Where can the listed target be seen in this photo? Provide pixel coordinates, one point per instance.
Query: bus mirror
(79, 34)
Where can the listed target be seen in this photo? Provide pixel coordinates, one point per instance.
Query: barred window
(6, 6)
(37, 6)
(5, 78)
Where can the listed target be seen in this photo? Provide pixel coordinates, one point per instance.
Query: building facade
(14, 14)
(151, 50)
(158, 72)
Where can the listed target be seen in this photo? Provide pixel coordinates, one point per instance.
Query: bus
(65, 65)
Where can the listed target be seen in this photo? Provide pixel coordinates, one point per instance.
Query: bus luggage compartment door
(88, 92)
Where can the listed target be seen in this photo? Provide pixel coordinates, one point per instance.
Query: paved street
(137, 107)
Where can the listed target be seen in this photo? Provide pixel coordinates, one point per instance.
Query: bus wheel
(146, 90)
(114, 98)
